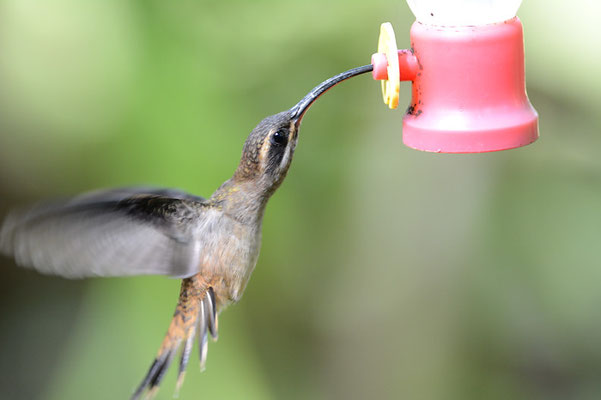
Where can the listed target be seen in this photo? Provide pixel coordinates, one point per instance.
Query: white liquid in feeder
(463, 12)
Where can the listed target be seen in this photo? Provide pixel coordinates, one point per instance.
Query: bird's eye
(279, 137)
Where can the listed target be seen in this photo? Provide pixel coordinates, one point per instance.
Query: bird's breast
(228, 255)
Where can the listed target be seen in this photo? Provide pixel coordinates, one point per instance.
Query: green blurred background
(384, 273)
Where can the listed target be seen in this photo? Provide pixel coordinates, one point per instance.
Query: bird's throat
(243, 200)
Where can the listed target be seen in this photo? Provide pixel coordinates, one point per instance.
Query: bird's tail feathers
(195, 315)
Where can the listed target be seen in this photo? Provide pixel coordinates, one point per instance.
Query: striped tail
(195, 315)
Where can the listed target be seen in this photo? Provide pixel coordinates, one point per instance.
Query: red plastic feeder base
(468, 93)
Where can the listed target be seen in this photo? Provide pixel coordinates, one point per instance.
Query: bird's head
(269, 148)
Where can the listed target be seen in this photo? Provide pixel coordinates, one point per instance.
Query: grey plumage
(211, 311)
(202, 337)
(119, 232)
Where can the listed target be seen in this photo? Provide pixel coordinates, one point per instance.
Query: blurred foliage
(384, 273)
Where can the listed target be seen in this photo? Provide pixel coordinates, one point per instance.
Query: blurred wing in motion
(121, 232)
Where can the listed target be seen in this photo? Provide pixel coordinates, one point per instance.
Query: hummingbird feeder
(466, 65)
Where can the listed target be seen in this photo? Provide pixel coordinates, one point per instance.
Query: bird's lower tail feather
(195, 315)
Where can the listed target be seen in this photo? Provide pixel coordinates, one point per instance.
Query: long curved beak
(302, 106)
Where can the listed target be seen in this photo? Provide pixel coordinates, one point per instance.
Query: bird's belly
(229, 262)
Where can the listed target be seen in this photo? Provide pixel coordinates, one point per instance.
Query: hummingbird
(211, 244)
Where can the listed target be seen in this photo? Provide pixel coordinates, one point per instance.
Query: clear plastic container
(463, 12)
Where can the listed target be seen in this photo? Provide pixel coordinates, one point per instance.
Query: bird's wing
(120, 232)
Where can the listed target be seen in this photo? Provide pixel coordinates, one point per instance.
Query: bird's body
(212, 244)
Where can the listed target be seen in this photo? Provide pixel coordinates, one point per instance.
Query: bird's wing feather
(119, 232)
